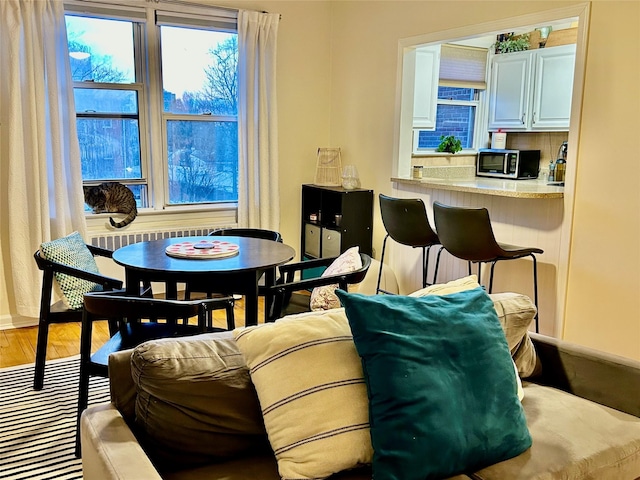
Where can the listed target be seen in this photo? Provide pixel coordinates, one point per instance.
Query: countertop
(536, 188)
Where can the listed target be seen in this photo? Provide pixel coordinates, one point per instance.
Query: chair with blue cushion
(70, 261)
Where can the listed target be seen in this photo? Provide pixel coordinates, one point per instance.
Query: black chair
(466, 233)
(58, 312)
(290, 296)
(132, 321)
(406, 222)
(264, 234)
(248, 232)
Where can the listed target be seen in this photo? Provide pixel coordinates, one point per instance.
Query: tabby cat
(112, 197)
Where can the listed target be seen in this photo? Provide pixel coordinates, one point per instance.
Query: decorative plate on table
(204, 249)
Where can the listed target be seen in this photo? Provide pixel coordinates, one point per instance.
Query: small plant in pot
(449, 144)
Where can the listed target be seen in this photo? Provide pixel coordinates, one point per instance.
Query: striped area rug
(37, 429)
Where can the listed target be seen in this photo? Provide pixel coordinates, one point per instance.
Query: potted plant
(512, 43)
(449, 144)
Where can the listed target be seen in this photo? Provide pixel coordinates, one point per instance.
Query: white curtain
(258, 187)
(41, 184)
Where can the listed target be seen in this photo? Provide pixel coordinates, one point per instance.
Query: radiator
(117, 240)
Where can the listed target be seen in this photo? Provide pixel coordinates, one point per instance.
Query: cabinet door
(509, 96)
(331, 246)
(426, 87)
(553, 88)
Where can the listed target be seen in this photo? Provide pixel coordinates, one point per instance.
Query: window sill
(188, 216)
(444, 154)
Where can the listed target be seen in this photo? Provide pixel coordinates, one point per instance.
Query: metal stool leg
(384, 246)
(435, 273)
(425, 264)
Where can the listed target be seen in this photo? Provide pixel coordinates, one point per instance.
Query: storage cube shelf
(320, 235)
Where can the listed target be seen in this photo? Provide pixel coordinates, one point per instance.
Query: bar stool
(466, 233)
(406, 222)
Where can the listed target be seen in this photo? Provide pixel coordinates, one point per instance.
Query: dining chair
(406, 222)
(60, 312)
(466, 233)
(292, 296)
(264, 234)
(132, 321)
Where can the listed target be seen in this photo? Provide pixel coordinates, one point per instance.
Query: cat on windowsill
(112, 197)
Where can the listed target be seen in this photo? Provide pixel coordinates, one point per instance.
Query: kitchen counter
(490, 186)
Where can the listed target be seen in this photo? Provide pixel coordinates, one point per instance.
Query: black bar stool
(466, 233)
(406, 221)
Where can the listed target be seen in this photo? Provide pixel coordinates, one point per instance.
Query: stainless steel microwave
(513, 164)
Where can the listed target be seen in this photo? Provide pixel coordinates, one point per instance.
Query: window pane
(199, 71)
(455, 93)
(100, 50)
(109, 148)
(105, 101)
(203, 161)
(457, 120)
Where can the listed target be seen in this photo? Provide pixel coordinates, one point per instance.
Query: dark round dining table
(238, 274)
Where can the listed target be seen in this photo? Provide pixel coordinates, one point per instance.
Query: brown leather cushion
(195, 401)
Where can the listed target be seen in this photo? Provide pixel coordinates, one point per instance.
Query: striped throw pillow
(310, 384)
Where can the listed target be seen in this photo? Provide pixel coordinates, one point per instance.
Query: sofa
(202, 416)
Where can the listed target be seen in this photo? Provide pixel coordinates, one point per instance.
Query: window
(455, 115)
(460, 93)
(164, 125)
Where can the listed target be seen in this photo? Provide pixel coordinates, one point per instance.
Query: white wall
(303, 67)
(337, 84)
(602, 306)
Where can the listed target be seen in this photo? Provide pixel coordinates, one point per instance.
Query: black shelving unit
(320, 236)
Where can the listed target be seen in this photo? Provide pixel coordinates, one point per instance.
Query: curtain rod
(194, 4)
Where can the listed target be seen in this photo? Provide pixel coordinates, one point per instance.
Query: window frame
(152, 118)
(480, 104)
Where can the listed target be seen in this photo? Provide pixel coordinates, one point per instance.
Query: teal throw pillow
(441, 384)
(72, 251)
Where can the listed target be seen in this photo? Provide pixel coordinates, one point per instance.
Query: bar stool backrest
(466, 233)
(406, 221)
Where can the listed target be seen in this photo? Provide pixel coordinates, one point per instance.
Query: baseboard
(16, 321)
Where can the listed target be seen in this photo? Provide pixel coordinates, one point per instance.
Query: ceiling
(487, 40)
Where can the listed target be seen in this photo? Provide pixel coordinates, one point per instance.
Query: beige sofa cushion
(573, 439)
(454, 286)
(516, 312)
(196, 403)
(312, 392)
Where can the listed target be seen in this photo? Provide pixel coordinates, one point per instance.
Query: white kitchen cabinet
(425, 96)
(531, 90)
(551, 103)
(509, 90)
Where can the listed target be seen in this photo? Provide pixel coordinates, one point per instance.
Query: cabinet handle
(534, 118)
(523, 117)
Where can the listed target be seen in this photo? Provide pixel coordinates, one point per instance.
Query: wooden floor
(18, 345)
